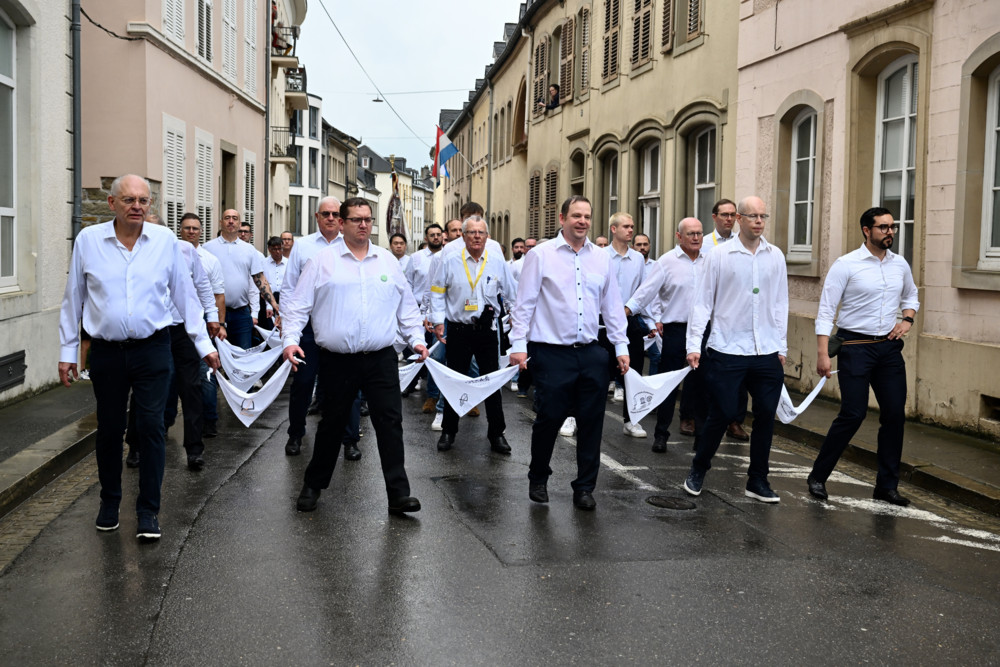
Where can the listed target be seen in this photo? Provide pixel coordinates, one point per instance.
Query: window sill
(610, 85)
(687, 46)
(978, 279)
(639, 70)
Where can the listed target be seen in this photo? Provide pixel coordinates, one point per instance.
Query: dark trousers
(377, 375)
(636, 333)
(143, 367)
(763, 377)
(303, 381)
(209, 395)
(879, 366)
(239, 326)
(673, 357)
(568, 378)
(465, 342)
(187, 381)
(695, 405)
(263, 321)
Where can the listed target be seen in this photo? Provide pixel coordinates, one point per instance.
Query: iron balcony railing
(295, 80)
(281, 142)
(284, 40)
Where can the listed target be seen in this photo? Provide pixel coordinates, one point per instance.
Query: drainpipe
(489, 154)
(267, 127)
(77, 125)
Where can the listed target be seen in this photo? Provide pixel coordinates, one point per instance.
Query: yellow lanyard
(715, 239)
(468, 274)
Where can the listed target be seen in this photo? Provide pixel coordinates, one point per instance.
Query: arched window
(895, 154)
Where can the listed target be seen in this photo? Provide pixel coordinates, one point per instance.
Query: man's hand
(67, 373)
(628, 312)
(659, 328)
(212, 360)
(652, 333)
(254, 320)
(277, 322)
(623, 364)
(694, 359)
(428, 326)
(439, 333)
(823, 363)
(519, 359)
(269, 313)
(781, 358)
(290, 354)
(222, 335)
(900, 330)
(213, 329)
(422, 351)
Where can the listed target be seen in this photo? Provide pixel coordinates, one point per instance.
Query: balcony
(284, 39)
(295, 88)
(282, 146)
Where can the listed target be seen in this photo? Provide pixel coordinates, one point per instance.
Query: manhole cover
(668, 503)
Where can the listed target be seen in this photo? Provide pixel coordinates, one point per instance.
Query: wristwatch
(908, 319)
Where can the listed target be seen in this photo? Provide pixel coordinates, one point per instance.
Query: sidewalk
(43, 436)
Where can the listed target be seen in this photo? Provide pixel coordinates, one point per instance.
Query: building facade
(308, 176)
(341, 162)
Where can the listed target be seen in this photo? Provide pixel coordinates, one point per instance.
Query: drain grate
(669, 503)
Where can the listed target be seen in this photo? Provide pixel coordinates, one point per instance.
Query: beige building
(36, 191)
(341, 163)
(884, 104)
(644, 123)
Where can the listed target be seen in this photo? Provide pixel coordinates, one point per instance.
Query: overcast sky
(415, 45)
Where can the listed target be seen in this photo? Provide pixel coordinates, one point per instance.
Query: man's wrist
(908, 319)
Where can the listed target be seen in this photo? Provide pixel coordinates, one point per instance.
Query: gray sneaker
(758, 489)
(694, 481)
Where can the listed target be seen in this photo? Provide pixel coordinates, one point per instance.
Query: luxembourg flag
(444, 151)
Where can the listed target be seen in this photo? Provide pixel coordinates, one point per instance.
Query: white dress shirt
(517, 266)
(275, 271)
(713, 239)
(453, 296)
(562, 293)
(354, 305)
(239, 261)
(419, 276)
(213, 269)
(304, 250)
(745, 295)
(202, 287)
(121, 294)
(404, 263)
(629, 270)
(871, 292)
(666, 293)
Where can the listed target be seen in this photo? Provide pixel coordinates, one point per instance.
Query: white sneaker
(611, 387)
(513, 386)
(619, 395)
(84, 374)
(569, 427)
(438, 421)
(634, 430)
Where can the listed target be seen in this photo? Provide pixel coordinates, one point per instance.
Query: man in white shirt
(666, 295)
(467, 295)
(241, 263)
(397, 244)
(357, 298)
(274, 269)
(566, 285)
(870, 285)
(418, 274)
(287, 243)
(744, 294)
(123, 273)
(642, 246)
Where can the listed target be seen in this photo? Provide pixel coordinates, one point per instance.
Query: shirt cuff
(518, 347)
(621, 349)
(287, 340)
(69, 354)
(212, 317)
(436, 318)
(633, 306)
(824, 327)
(204, 346)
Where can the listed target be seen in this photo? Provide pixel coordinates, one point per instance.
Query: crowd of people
(573, 314)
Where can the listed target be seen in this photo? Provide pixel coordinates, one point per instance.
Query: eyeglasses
(726, 216)
(885, 229)
(475, 233)
(244, 232)
(360, 221)
(329, 214)
(129, 201)
(694, 235)
(763, 217)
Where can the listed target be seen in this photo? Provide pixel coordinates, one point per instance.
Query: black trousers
(568, 378)
(636, 333)
(879, 366)
(377, 375)
(673, 357)
(465, 342)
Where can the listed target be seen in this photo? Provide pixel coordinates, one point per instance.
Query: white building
(306, 183)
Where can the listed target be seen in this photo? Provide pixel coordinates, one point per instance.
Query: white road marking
(964, 543)
(624, 472)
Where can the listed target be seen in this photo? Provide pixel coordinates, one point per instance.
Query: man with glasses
(744, 294)
(287, 241)
(870, 285)
(124, 275)
(240, 263)
(357, 298)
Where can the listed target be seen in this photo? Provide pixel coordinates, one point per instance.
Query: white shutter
(250, 48)
(173, 19)
(205, 29)
(173, 172)
(203, 190)
(229, 39)
(250, 188)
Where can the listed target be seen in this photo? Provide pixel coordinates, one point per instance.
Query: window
(649, 194)
(802, 182)
(313, 167)
(667, 36)
(895, 138)
(229, 39)
(173, 174)
(704, 175)
(203, 175)
(297, 176)
(551, 203)
(534, 191)
(173, 19)
(583, 79)
(8, 125)
(693, 18)
(249, 189)
(612, 22)
(295, 214)
(205, 29)
(642, 32)
(990, 244)
(567, 56)
(313, 123)
(295, 123)
(610, 169)
(250, 48)
(313, 207)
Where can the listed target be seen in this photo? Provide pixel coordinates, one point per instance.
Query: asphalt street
(481, 575)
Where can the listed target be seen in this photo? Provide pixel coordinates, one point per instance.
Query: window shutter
(567, 48)
(250, 192)
(694, 18)
(229, 39)
(642, 27)
(612, 22)
(534, 187)
(584, 51)
(667, 38)
(205, 29)
(541, 79)
(173, 178)
(203, 180)
(551, 192)
(250, 48)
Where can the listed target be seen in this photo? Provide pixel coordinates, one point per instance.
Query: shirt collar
(735, 245)
(560, 241)
(867, 254)
(110, 232)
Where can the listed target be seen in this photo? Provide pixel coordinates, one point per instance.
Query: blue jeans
(239, 326)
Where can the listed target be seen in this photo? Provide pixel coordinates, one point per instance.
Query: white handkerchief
(655, 340)
(644, 393)
(787, 412)
(247, 407)
(408, 372)
(463, 392)
(244, 371)
(271, 338)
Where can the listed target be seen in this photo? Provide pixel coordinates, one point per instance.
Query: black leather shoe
(196, 462)
(538, 493)
(313, 408)
(659, 445)
(307, 499)
(446, 441)
(890, 496)
(817, 489)
(132, 460)
(351, 451)
(364, 409)
(584, 500)
(499, 445)
(210, 430)
(404, 505)
(293, 447)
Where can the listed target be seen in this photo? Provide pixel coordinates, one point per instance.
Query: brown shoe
(474, 412)
(687, 427)
(430, 405)
(736, 432)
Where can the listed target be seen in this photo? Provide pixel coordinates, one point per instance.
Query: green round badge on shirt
(756, 290)
(384, 277)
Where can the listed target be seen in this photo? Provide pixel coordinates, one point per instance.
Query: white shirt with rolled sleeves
(121, 294)
(304, 250)
(239, 261)
(354, 305)
(452, 293)
(418, 274)
(517, 266)
(213, 269)
(745, 295)
(202, 286)
(870, 292)
(629, 270)
(562, 293)
(669, 288)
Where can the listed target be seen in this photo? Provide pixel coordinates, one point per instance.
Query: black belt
(674, 325)
(237, 309)
(130, 342)
(852, 335)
